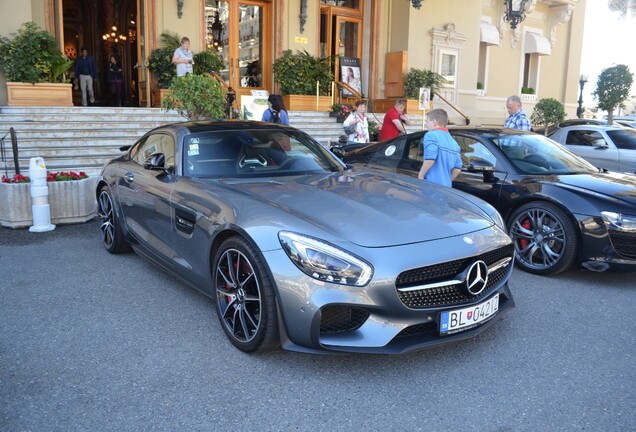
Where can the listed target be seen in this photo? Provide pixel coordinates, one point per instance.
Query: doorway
(110, 29)
(239, 30)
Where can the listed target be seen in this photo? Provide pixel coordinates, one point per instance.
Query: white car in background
(609, 147)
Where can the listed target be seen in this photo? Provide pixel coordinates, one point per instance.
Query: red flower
(50, 177)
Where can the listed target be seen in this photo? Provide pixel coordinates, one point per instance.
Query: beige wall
(190, 24)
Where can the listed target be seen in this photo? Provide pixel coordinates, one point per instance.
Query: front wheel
(245, 301)
(109, 225)
(544, 237)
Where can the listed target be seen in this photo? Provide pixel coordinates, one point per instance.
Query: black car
(559, 209)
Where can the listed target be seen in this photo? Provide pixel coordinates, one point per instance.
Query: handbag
(351, 129)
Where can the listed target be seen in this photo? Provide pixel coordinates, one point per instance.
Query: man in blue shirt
(442, 155)
(86, 72)
(517, 118)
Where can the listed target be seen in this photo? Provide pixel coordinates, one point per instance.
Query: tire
(544, 237)
(109, 228)
(245, 300)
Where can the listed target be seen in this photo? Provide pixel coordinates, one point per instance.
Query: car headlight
(324, 261)
(619, 221)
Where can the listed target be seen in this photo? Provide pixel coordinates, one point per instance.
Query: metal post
(579, 110)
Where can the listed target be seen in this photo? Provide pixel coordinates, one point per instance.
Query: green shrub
(32, 55)
(207, 61)
(480, 86)
(161, 66)
(196, 97)
(297, 73)
(527, 90)
(546, 112)
(416, 78)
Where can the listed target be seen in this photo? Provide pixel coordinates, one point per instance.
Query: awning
(537, 44)
(489, 34)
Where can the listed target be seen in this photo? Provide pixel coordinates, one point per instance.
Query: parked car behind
(559, 209)
(296, 250)
(609, 147)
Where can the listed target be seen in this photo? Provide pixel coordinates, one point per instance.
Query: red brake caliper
(527, 225)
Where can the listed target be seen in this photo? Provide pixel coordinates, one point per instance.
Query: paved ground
(90, 341)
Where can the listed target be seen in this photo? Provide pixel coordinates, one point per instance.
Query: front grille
(339, 319)
(452, 294)
(624, 243)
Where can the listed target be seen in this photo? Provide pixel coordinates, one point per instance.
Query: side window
(625, 140)
(416, 150)
(158, 143)
(583, 138)
(472, 149)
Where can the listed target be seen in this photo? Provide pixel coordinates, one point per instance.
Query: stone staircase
(85, 138)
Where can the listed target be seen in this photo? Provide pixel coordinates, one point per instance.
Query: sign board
(425, 97)
(350, 74)
(253, 107)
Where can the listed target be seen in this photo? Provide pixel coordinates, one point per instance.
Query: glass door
(239, 31)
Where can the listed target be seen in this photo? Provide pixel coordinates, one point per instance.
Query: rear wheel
(544, 237)
(245, 301)
(109, 229)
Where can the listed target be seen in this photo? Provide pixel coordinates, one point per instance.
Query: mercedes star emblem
(477, 278)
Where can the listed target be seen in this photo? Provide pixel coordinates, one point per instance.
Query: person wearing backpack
(276, 113)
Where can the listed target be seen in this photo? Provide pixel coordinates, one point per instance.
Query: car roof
(221, 125)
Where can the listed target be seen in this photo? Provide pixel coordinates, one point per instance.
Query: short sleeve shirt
(389, 130)
(183, 68)
(440, 146)
(519, 121)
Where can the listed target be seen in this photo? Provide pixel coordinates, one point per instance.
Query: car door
(145, 194)
(625, 142)
(593, 146)
(389, 156)
(486, 185)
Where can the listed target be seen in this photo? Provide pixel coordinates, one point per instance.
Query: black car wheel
(544, 238)
(109, 229)
(245, 301)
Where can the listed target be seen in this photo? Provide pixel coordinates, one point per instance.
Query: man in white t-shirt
(183, 58)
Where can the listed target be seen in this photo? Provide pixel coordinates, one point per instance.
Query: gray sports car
(297, 250)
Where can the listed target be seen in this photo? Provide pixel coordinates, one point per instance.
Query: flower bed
(70, 201)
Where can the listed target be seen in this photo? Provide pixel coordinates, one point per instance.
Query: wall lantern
(416, 3)
(216, 29)
(515, 12)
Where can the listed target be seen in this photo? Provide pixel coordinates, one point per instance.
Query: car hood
(620, 186)
(352, 204)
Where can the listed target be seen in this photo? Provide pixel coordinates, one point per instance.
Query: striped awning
(537, 44)
(489, 34)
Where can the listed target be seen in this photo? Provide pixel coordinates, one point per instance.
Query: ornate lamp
(515, 12)
(416, 3)
(579, 110)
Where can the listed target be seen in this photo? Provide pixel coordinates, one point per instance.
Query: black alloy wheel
(245, 300)
(109, 229)
(544, 237)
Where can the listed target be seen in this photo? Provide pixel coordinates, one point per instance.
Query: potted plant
(298, 74)
(374, 130)
(341, 111)
(196, 97)
(35, 68)
(414, 80)
(71, 199)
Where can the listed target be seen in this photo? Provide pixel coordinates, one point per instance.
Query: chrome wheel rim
(106, 216)
(539, 238)
(238, 295)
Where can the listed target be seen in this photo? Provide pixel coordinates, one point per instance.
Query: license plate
(462, 319)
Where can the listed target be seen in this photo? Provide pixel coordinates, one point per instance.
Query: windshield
(536, 154)
(255, 153)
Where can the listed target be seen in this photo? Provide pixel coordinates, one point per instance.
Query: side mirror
(480, 165)
(156, 161)
(338, 151)
(600, 143)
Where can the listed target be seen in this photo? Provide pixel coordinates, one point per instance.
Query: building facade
(467, 41)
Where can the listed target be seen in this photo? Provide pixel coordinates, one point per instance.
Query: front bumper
(378, 318)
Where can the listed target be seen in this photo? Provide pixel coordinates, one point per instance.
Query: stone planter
(69, 201)
(40, 94)
(159, 95)
(307, 103)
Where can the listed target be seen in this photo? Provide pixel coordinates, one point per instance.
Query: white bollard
(39, 196)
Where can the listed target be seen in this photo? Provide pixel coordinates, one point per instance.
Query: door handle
(130, 177)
